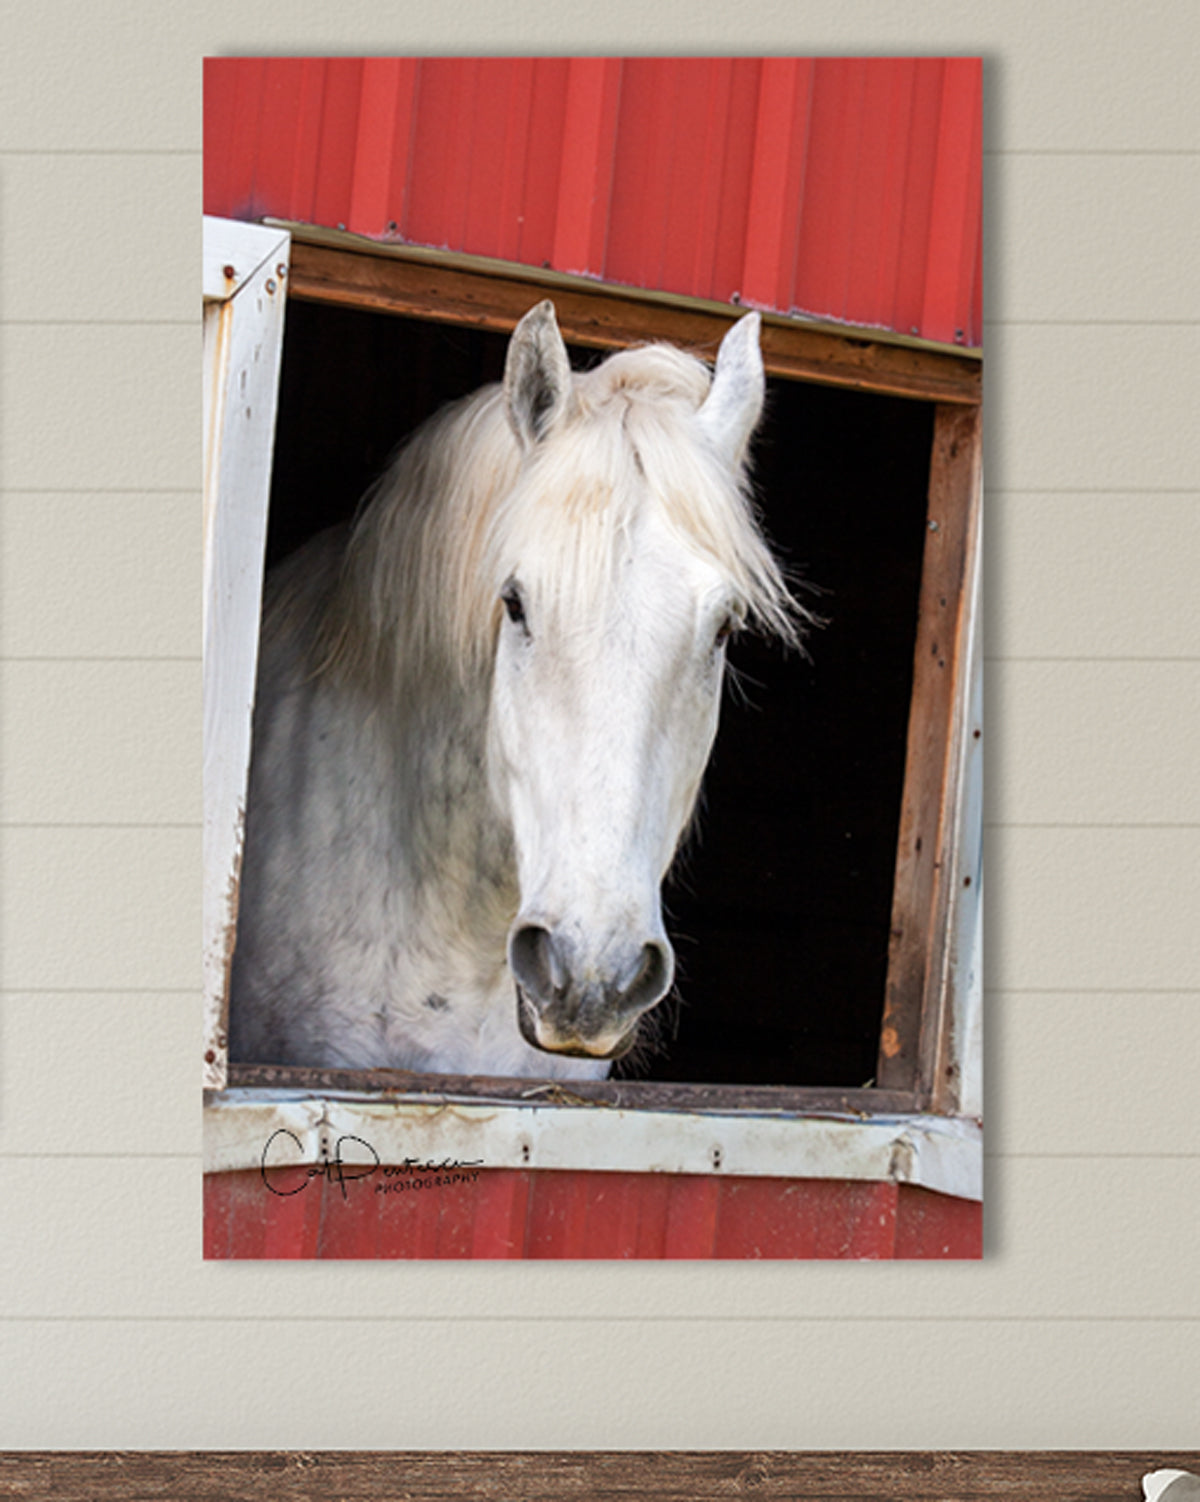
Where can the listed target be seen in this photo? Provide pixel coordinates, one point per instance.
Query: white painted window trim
(245, 271)
(964, 977)
(265, 1129)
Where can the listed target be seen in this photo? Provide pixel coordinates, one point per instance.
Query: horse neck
(457, 847)
(429, 708)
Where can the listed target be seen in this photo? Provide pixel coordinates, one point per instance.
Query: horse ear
(734, 403)
(537, 375)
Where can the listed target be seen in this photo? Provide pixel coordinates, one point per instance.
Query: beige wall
(1082, 1327)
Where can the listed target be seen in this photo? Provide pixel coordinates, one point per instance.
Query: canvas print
(592, 699)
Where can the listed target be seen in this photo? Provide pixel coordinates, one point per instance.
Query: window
(826, 918)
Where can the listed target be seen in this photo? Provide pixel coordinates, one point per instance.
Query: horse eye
(724, 631)
(514, 605)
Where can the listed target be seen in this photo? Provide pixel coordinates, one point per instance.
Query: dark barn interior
(779, 906)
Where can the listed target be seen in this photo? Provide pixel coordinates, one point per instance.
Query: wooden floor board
(597, 1476)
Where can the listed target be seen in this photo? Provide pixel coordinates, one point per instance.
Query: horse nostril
(536, 963)
(652, 979)
(590, 998)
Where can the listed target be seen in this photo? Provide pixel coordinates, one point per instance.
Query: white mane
(453, 516)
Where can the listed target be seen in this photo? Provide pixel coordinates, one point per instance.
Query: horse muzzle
(568, 1006)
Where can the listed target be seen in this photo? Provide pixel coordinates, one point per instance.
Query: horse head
(625, 558)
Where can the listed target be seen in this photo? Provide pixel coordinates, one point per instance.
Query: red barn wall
(521, 1213)
(839, 188)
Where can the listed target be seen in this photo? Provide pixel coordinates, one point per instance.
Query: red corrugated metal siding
(524, 1214)
(843, 188)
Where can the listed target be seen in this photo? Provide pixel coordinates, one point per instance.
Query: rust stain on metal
(554, 1094)
(903, 1161)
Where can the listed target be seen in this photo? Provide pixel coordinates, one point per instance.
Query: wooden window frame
(928, 1062)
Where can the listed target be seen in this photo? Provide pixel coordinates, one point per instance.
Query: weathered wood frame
(919, 1067)
(915, 1051)
(346, 271)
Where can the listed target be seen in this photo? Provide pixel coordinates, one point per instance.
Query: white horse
(483, 714)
